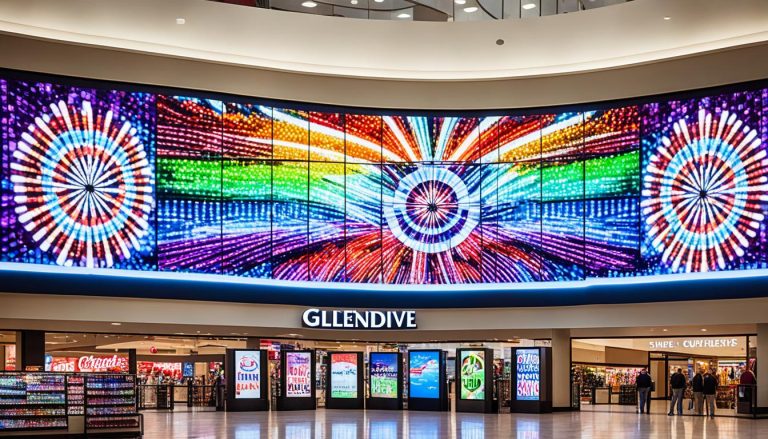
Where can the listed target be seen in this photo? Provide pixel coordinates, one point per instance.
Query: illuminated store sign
(528, 374)
(352, 319)
(694, 343)
(247, 374)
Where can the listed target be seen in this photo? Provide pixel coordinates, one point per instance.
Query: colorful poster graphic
(188, 370)
(472, 374)
(343, 375)
(298, 374)
(121, 179)
(424, 374)
(247, 374)
(384, 374)
(528, 374)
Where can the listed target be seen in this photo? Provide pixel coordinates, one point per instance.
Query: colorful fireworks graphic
(704, 192)
(250, 190)
(79, 174)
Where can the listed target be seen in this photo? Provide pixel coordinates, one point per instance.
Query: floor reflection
(359, 424)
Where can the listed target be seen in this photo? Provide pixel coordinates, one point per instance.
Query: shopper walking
(710, 390)
(697, 386)
(643, 384)
(677, 383)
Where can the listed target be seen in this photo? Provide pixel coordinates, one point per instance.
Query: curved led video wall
(124, 179)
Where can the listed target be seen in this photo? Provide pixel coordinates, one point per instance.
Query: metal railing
(429, 10)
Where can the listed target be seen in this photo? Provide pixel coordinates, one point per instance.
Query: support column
(30, 350)
(762, 366)
(561, 369)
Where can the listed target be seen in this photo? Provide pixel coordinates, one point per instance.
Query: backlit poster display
(528, 374)
(344, 376)
(188, 370)
(247, 374)
(298, 375)
(424, 374)
(472, 375)
(384, 376)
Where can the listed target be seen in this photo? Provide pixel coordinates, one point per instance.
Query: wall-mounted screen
(298, 374)
(528, 367)
(472, 374)
(424, 374)
(247, 374)
(188, 370)
(344, 375)
(384, 369)
(110, 177)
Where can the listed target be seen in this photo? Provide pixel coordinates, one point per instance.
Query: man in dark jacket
(710, 390)
(643, 384)
(697, 385)
(677, 383)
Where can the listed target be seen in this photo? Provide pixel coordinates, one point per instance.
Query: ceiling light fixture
(181, 21)
(115, 323)
(309, 4)
(379, 1)
(460, 2)
(529, 6)
(403, 15)
(470, 9)
(667, 18)
(703, 329)
(665, 329)
(354, 2)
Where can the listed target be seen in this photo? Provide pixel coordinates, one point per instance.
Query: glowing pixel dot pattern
(246, 189)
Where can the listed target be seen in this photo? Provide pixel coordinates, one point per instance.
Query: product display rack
(75, 395)
(32, 401)
(110, 405)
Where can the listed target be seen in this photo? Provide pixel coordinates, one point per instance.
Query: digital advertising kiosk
(426, 381)
(531, 380)
(474, 380)
(385, 378)
(344, 384)
(297, 387)
(247, 380)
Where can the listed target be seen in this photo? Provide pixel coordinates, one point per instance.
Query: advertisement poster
(87, 363)
(247, 374)
(424, 374)
(10, 357)
(384, 369)
(528, 374)
(472, 374)
(343, 375)
(298, 375)
(157, 368)
(188, 370)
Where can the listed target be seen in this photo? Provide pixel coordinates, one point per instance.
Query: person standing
(697, 386)
(643, 384)
(748, 382)
(677, 383)
(710, 391)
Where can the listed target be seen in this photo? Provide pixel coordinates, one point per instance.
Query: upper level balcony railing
(429, 10)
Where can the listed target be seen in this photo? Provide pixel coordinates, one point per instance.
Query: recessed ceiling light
(181, 20)
(403, 15)
(667, 18)
(354, 2)
(115, 323)
(379, 1)
(665, 329)
(309, 4)
(499, 42)
(460, 2)
(703, 329)
(470, 9)
(529, 6)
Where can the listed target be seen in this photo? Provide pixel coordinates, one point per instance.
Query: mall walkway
(356, 424)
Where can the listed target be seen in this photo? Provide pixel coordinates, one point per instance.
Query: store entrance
(605, 370)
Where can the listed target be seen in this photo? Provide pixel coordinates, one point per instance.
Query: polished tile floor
(356, 424)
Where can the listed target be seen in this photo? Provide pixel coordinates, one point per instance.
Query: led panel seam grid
(129, 180)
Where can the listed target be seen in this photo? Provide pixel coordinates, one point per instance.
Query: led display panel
(344, 375)
(384, 369)
(298, 374)
(247, 374)
(424, 374)
(528, 369)
(472, 375)
(111, 177)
